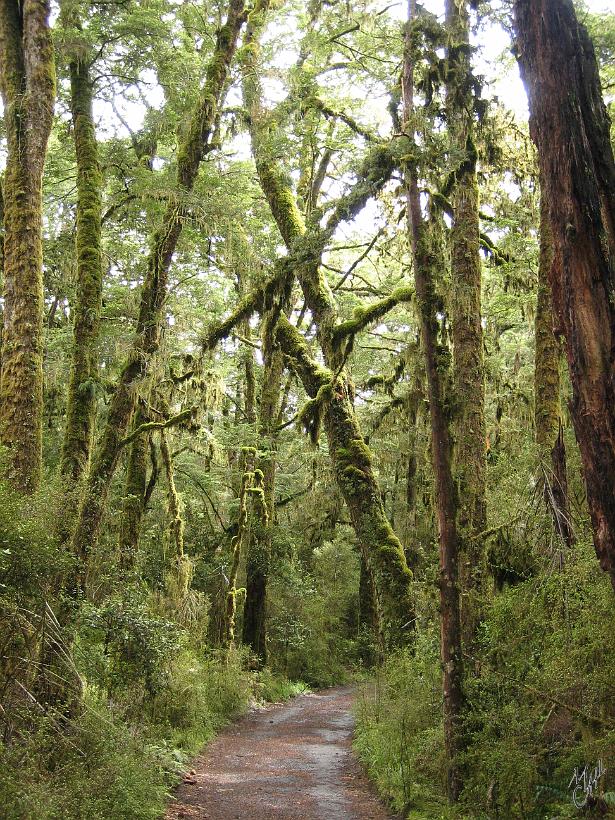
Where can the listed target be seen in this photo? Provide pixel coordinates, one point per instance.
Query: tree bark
(547, 409)
(164, 242)
(248, 482)
(424, 262)
(569, 124)
(27, 83)
(81, 405)
(261, 531)
(467, 332)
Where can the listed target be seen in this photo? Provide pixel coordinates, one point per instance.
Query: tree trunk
(81, 405)
(547, 409)
(424, 262)
(164, 242)
(354, 473)
(569, 124)
(27, 82)
(259, 547)
(248, 481)
(468, 365)
(133, 506)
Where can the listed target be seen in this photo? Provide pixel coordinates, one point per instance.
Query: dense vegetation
(307, 375)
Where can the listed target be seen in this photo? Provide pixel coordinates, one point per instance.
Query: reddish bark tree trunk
(569, 124)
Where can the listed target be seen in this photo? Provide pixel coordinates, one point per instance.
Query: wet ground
(292, 760)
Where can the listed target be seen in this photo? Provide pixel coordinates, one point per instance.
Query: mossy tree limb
(27, 83)
(354, 472)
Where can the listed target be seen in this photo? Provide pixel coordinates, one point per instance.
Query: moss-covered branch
(297, 351)
(365, 315)
(318, 104)
(150, 426)
(257, 301)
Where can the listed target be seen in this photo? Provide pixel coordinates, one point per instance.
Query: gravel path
(292, 760)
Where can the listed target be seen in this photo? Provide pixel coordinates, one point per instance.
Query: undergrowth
(143, 692)
(541, 703)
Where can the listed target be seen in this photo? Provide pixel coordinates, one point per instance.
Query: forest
(307, 380)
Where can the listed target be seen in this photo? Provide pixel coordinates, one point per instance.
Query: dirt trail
(287, 761)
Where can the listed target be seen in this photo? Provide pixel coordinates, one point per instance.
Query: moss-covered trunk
(547, 407)
(261, 530)
(27, 83)
(81, 404)
(468, 365)
(351, 457)
(570, 126)
(164, 242)
(424, 263)
(133, 506)
(249, 481)
(354, 473)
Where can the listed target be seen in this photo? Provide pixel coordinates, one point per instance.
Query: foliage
(138, 651)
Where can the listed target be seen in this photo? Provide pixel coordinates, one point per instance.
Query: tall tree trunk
(468, 365)
(424, 262)
(249, 482)
(569, 124)
(547, 408)
(354, 473)
(81, 406)
(261, 531)
(27, 83)
(351, 457)
(164, 242)
(133, 506)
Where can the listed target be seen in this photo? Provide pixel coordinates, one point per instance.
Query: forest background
(282, 405)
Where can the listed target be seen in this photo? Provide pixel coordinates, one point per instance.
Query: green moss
(81, 401)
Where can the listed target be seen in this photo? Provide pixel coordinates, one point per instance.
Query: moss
(134, 498)
(29, 96)
(81, 404)
(365, 315)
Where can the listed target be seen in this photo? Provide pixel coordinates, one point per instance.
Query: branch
(313, 375)
(366, 315)
(256, 301)
(148, 426)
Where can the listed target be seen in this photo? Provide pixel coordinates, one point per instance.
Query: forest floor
(291, 760)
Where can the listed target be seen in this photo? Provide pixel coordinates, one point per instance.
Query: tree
(547, 387)
(571, 130)
(191, 151)
(467, 332)
(27, 83)
(81, 405)
(425, 262)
